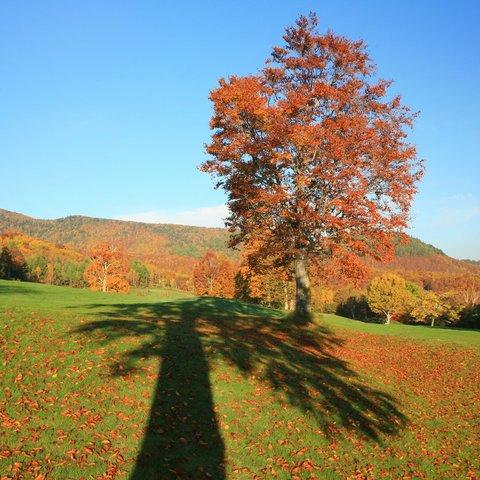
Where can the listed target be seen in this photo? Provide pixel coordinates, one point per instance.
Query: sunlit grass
(161, 384)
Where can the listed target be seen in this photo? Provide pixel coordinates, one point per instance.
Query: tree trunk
(103, 280)
(302, 286)
(285, 296)
(387, 321)
(432, 323)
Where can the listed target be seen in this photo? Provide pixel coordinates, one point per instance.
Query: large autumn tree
(313, 154)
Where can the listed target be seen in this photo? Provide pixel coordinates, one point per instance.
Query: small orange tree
(108, 270)
(469, 288)
(312, 152)
(214, 276)
(264, 279)
(270, 288)
(12, 263)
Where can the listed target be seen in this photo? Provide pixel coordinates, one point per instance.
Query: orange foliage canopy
(30, 246)
(108, 269)
(342, 269)
(214, 276)
(313, 152)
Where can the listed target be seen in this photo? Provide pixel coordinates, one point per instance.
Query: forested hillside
(140, 239)
(147, 240)
(178, 247)
(57, 251)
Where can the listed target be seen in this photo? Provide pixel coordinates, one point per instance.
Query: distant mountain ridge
(149, 241)
(416, 247)
(141, 239)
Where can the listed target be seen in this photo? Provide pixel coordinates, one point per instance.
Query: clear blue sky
(104, 109)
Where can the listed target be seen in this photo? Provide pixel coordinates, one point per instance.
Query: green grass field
(162, 385)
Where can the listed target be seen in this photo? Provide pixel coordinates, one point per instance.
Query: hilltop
(143, 240)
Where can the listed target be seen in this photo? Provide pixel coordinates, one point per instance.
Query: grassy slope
(414, 332)
(162, 385)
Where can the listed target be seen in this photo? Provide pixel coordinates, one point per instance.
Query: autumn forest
(434, 287)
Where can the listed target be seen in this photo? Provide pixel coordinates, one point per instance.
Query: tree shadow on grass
(182, 438)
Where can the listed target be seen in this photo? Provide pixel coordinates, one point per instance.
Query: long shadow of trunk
(182, 438)
(304, 364)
